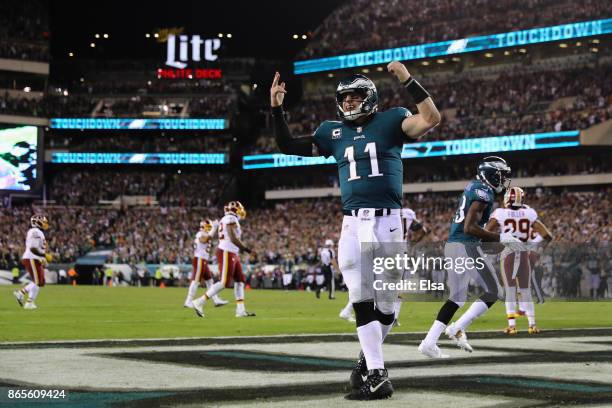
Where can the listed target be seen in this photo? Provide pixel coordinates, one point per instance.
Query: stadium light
(156, 35)
(365, 70)
(425, 63)
(27, 89)
(304, 36)
(330, 75)
(594, 49)
(229, 35)
(92, 45)
(522, 51)
(70, 54)
(507, 53)
(578, 44)
(295, 36)
(488, 55)
(82, 79)
(106, 35)
(149, 83)
(379, 69)
(440, 61)
(220, 35)
(595, 41)
(97, 35)
(456, 59)
(147, 35)
(563, 45)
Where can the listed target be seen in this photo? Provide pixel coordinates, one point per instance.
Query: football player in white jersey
(516, 265)
(34, 260)
(230, 268)
(414, 231)
(201, 254)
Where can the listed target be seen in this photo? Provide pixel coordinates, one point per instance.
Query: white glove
(507, 237)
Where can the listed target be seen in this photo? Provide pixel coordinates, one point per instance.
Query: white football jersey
(225, 243)
(35, 239)
(519, 222)
(201, 249)
(326, 255)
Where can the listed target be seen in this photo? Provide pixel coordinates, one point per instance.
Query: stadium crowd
(297, 227)
(138, 143)
(370, 25)
(447, 170)
(196, 189)
(74, 230)
(48, 106)
(509, 103)
(24, 30)
(51, 105)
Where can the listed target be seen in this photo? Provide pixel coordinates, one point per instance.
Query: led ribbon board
(138, 124)
(138, 158)
(495, 144)
(460, 46)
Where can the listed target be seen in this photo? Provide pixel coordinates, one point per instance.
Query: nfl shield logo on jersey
(337, 133)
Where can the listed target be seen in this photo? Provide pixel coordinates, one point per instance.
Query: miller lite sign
(210, 46)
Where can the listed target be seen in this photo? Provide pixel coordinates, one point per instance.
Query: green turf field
(86, 312)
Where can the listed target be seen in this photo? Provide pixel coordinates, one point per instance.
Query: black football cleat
(376, 387)
(359, 375)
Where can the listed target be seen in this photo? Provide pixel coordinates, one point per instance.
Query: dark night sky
(260, 29)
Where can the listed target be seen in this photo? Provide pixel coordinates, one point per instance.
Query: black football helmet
(363, 86)
(495, 172)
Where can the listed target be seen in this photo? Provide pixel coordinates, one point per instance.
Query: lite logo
(210, 46)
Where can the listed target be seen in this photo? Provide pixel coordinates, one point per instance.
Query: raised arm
(428, 117)
(287, 144)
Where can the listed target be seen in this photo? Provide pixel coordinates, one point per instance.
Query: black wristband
(418, 93)
(277, 110)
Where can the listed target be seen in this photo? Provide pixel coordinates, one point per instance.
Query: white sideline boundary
(274, 336)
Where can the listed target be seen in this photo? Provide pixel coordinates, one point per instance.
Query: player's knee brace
(447, 311)
(384, 318)
(489, 299)
(364, 313)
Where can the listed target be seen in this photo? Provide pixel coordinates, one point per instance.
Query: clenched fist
(398, 70)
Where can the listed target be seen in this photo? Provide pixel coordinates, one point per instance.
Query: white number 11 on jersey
(349, 153)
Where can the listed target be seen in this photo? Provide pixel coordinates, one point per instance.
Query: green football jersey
(476, 190)
(369, 158)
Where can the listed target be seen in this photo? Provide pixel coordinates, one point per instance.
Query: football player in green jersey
(468, 261)
(367, 145)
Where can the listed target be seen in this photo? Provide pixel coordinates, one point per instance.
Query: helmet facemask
(361, 86)
(495, 172)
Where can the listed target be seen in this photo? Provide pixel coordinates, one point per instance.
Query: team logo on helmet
(206, 225)
(362, 86)
(236, 208)
(514, 197)
(40, 222)
(495, 172)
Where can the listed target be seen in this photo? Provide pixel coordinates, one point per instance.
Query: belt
(377, 213)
